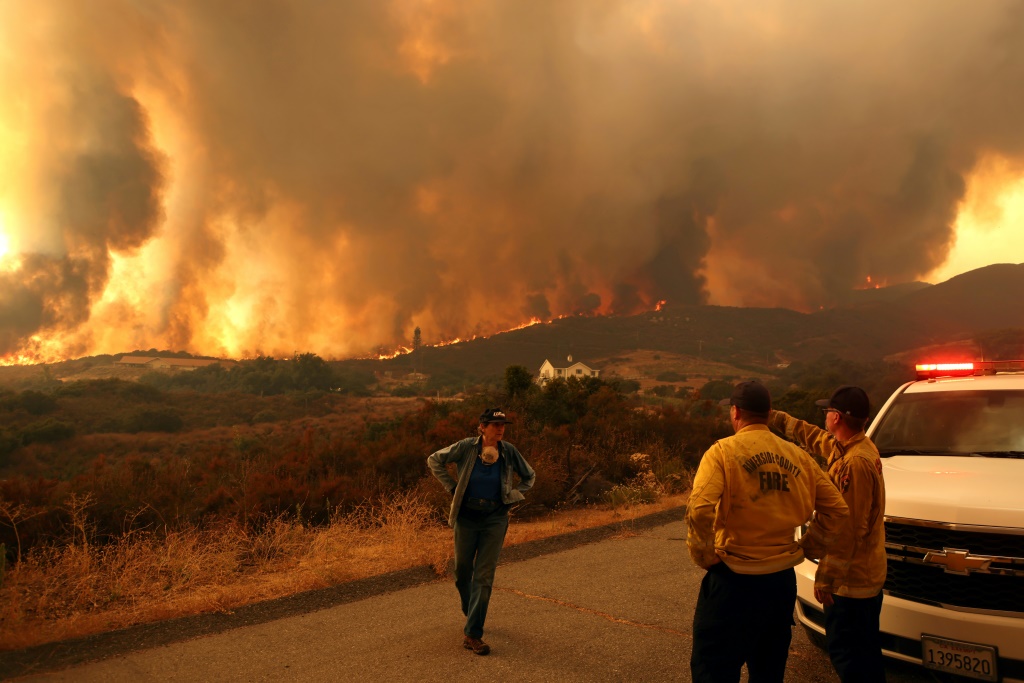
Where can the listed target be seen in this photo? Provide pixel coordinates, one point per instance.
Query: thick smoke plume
(268, 176)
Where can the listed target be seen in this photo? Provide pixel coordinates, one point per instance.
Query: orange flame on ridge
(871, 284)
(38, 351)
(403, 350)
(17, 359)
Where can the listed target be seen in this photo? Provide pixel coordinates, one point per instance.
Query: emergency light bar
(984, 367)
(933, 370)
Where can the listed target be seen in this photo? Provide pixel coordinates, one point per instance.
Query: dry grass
(567, 521)
(645, 365)
(81, 589)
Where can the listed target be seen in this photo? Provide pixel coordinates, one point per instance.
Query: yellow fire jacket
(751, 491)
(855, 566)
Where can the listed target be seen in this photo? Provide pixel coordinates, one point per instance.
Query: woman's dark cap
(848, 400)
(494, 416)
(751, 396)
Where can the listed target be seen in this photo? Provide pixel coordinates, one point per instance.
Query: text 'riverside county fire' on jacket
(750, 493)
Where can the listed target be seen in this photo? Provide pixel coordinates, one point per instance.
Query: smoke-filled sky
(272, 176)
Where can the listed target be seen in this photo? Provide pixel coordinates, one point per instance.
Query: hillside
(879, 323)
(873, 324)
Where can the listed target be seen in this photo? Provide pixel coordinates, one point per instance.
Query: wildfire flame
(403, 350)
(400, 351)
(869, 283)
(147, 201)
(17, 359)
(37, 351)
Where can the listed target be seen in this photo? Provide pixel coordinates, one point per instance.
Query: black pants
(851, 629)
(742, 618)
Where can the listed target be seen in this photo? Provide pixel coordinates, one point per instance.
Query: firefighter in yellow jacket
(849, 579)
(750, 493)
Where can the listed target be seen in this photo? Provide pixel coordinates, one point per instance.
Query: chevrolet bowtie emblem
(956, 561)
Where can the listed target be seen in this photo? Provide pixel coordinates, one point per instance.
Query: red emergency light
(943, 368)
(990, 367)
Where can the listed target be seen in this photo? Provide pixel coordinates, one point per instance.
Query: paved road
(618, 610)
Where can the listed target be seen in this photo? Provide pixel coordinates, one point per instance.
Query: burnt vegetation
(294, 438)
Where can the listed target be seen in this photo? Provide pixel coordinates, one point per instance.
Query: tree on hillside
(562, 400)
(351, 380)
(716, 390)
(800, 404)
(32, 402)
(518, 381)
(820, 377)
(417, 342)
(310, 371)
(624, 386)
(1005, 344)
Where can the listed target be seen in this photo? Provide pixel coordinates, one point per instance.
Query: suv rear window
(954, 423)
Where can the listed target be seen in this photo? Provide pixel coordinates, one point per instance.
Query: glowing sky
(990, 223)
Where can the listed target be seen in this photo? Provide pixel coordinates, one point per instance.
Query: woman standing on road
(480, 501)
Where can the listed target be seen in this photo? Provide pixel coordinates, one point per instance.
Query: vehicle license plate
(957, 657)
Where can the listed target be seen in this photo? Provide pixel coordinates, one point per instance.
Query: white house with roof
(579, 370)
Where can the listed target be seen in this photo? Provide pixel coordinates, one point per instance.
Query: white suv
(952, 446)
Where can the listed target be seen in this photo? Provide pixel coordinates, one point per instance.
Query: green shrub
(46, 431)
(8, 444)
(642, 488)
(33, 402)
(670, 376)
(375, 431)
(265, 416)
(625, 386)
(140, 392)
(154, 421)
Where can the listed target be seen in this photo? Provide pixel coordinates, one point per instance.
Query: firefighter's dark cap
(848, 400)
(751, 396)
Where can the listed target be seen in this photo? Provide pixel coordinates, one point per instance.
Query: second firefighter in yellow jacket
(850, 577)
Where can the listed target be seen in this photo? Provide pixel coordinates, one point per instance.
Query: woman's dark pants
(742, 618)
(478, 540)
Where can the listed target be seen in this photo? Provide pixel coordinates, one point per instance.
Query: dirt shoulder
(62, 654)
